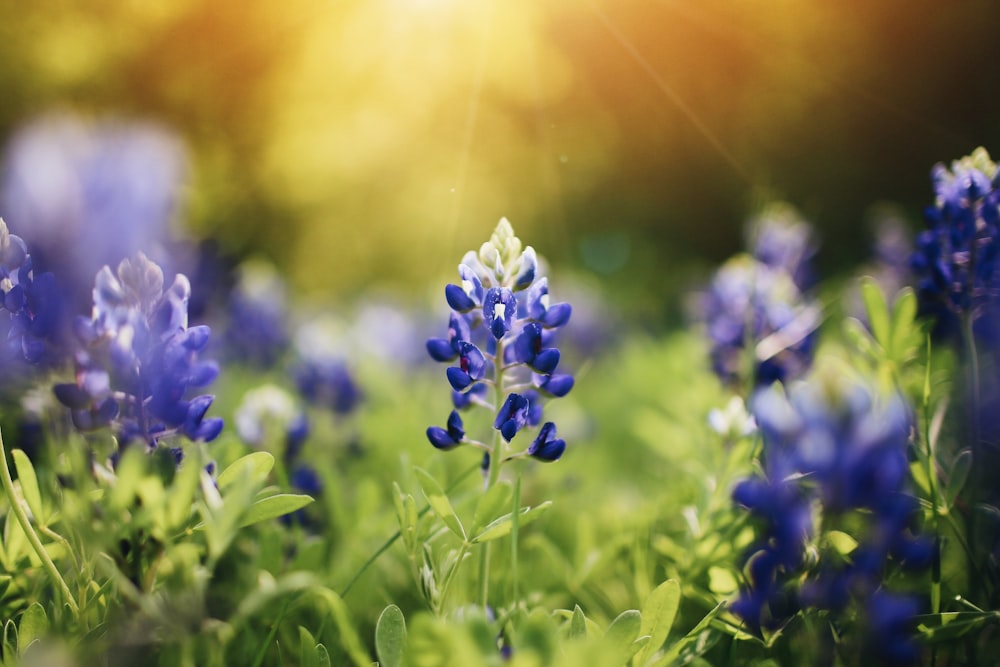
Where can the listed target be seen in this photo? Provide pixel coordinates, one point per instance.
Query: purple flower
(449, 437)
(139, 359)
(512, 417)
(471, 367)
(528, 350)
(547, 447)
(502, 343)
(499, 309)
(955, 261)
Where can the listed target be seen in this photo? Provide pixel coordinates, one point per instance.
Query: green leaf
(180, 501)
(29, 484)
(439, 502)
(348, 634)
(10, 638)
(491, 505)
(721, 581)
(622, 633)
(950, 625)
(878, 312)
(255, 467)
(390, 637)
(501, 527)
(694, 639)
(578, 624)
(903, 316)
(841, 541)
(307, 649)
(960, 470)
(858, 336)
(274, 506)
(322, 656)
(658, 614)
(33, 626)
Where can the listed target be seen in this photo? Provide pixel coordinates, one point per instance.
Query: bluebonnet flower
(955, 261)
(139, 359)
(33, 302)
(782, 239)
(834, 451)
(257, 330)
(449, 437)
(547, 447)
(88, 194)
(321, 372)
(501, 334)
(750, 305)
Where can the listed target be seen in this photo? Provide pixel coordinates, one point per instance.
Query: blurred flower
(955, 262)
(139, 358)
(501, 333)
(780, 238)
(752, 305)
(257, 330)
(833, 450)
(270, 414)
(732, 421)
(320, 371)
(89, 195)
(34, 303)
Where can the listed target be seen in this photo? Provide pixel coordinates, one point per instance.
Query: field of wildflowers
(199, 470)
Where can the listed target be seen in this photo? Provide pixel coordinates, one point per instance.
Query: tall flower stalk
(501, 344)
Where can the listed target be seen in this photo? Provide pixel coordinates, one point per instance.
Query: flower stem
(29, 532)
(492, 475)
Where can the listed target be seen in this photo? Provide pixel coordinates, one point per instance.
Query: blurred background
(364, 145)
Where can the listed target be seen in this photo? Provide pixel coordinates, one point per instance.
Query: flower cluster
(139, 359)
(34, 302)
(87, 194)
(955, 262)
(758, 322)
(501, 338)
(780, 238)
(257, 330)
(835, 464)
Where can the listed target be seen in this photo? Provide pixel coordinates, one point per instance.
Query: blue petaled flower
(547, 447)
(450, 437)
(501, 333)
(34, 303)
(758, 322)
(471, 368)
(139, 360)
(85, 194)
(955, 261)
(512, 417)
(256, 330)
(835, 451)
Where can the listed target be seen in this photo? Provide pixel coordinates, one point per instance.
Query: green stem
(29, 532)
(978, 464)
(395, 536)
(492, 475)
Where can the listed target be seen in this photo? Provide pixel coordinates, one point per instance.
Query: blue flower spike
(139, 359)
(501, 346)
